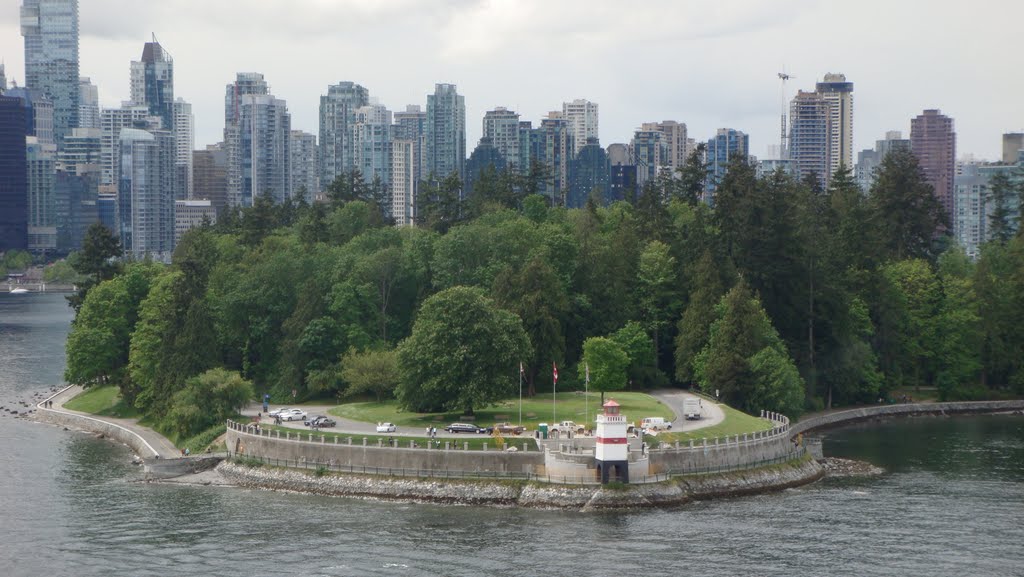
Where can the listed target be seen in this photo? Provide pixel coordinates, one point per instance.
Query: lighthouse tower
(612, 450)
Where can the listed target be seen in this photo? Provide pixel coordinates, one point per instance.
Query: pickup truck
(509, 429)
(565, 427)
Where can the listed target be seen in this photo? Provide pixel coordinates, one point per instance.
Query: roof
(611, 403)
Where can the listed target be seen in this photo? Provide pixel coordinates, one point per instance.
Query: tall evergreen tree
(905, 215)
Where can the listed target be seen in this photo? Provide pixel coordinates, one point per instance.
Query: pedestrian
(187, 451)
(428, 431)
(433, 432)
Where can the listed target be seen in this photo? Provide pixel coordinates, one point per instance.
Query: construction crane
(783, 135)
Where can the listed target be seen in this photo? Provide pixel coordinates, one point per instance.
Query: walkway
(159, 444)
(674, 398)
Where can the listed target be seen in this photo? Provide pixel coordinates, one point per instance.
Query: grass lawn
(571, 406)
(103, 401)
(476, 442)
(735, 423)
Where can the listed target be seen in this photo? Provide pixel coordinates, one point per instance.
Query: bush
(207, 400)
(200, 442)
(320, 471)
(248, 462)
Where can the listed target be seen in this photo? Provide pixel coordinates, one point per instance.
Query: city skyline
(531, 58)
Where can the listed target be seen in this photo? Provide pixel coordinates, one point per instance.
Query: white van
(655, 424)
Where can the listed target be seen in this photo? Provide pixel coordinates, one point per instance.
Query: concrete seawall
(114, 431)
(903, 410)
(677, 491)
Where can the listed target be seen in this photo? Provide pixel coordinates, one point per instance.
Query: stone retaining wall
(677, 491)
(908, 409)
(732, 452)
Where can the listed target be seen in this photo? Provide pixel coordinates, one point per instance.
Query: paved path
(158, 442)
(674, 398)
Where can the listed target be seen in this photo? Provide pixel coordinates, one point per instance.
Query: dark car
(466, 428)
(320, 421)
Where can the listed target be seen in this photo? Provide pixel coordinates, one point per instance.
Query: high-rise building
(582, 117)
(184, 142)
(676, 142)
(446, 132)
(649, 152)
(485, 157)
(839, 94)
(403, 181)
(257, 134)
(337, 124)
(304, 170)
(1013, 146)
(42, 206)
(589, 173)
(810, 130)
(371, 133)
(146, 193)
(868, 160)
(933, 141)
(112, 122)
(501, 126)
(552, 146)
(727, 145)
(968, 218)
(411, 126)
(77, 185)
(50, 28)
(265, 134)
(88, 104)
(152, 82)
(3, 78)
(210, 175)
(39, 118)
(13, 174)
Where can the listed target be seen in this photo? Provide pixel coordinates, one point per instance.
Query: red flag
(555, 370)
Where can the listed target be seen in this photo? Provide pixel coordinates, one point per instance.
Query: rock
(836, 467)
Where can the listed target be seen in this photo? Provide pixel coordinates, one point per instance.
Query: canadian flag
(555, 372)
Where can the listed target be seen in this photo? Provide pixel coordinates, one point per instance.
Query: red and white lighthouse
(612, 450)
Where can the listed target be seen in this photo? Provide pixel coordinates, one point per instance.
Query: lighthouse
(612, 450)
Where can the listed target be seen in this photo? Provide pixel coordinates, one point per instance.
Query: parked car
(320, 421)
(277, 412)
(386, 428)
(292, 415)
(466, 428)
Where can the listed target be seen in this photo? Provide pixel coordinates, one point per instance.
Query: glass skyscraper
(50, 28)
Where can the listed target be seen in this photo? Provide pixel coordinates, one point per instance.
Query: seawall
(114, 431)
(903, 410)
(515, 493)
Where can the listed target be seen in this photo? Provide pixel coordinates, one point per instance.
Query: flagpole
(554, 398)
(586, 396)
(520, 394)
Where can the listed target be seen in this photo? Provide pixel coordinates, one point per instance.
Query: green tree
(97, 260)
(695, 324)
(639, 347)
(745, 361)
(537, 296)
(207, 400)
(905, 215)
(607, 363)
(693, 176)
(62, 272)
(439, 206)
(657, 287)
(373, 372)
(1001, 189)
(462, 353)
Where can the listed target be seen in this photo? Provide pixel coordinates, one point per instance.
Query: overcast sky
(708, 64)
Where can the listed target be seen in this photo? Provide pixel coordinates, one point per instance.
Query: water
(950, 504)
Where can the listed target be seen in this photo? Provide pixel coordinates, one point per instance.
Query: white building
(145, 198)
(501, 125)
(184, 142)
(112, 121)
(305, 174)
(403, 182)
(582, 117)
(839, 94)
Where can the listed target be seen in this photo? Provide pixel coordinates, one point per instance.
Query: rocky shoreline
(677, 491)
(837, 467)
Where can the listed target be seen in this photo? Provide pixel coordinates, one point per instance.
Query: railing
(400, 442)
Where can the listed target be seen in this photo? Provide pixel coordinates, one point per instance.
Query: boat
(18, 291)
